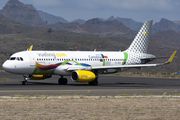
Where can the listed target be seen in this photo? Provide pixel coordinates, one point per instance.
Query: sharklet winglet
(170, 59)
(172, 56)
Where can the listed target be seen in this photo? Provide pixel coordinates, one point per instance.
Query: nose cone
(5, 66)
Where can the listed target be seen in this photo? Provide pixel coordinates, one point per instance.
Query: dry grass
(4, 79)
(91, 109)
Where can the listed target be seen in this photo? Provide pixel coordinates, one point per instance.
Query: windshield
(16, 58)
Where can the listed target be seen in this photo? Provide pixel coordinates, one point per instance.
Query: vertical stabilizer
(140, 42)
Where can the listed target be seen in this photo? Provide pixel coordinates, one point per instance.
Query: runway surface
(108, 85)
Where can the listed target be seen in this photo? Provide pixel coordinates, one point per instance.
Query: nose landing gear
(25, 82)
(26, 77)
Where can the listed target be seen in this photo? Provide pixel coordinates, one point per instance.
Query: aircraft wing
(137, 65)
(109, 67)
(124, 66)
(72, 68)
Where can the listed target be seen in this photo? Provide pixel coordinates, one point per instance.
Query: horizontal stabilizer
(154, 58)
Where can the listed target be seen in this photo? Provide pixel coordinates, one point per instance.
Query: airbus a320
(82, 66)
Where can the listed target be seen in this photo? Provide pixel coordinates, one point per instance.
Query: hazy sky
(139, 10)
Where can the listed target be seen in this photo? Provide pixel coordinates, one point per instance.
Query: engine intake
(83, 76)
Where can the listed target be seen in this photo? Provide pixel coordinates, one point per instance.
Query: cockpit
(16, 58)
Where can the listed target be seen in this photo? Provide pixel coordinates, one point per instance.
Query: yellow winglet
(31, 48)
(172, 56)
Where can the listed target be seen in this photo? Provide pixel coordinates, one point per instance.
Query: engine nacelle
(83, 76)
(37, 77)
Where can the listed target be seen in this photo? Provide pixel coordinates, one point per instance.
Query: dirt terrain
(125, 108)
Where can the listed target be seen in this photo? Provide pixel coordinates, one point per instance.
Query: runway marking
(88, 90)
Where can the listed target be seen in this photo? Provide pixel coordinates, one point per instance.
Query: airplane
(82, 66)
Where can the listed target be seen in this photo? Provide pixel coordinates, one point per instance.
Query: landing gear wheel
(94, 83)
(24, 82)
(62, 81)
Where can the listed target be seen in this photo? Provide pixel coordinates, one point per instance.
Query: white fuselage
(57, 62)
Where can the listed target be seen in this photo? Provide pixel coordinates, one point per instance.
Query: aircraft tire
(62, 81)
(24, 83)
(94, 83)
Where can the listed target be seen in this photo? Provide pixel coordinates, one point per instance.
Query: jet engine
(36, 77)
(83, 76)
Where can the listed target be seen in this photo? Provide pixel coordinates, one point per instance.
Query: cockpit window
(21, 58)
(16, 58)
(12, 58)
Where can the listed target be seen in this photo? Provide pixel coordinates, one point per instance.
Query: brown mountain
(51, 19)
(165, 25)
(63, 26)
(97, 27)
(177, 22)
(105, 25)
(22, 13)
(112, 28)
(9, 26)
(169, 37)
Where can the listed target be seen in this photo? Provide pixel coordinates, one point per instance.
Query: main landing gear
(95, 82)
(62, 81)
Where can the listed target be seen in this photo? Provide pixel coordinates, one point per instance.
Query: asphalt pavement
(108, 85)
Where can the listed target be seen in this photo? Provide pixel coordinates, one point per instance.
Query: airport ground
(108, 85)
(80, 108)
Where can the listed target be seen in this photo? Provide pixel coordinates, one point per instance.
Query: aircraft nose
(6, 66)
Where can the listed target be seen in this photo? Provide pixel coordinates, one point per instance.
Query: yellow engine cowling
(83, 76)
(40, 77)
